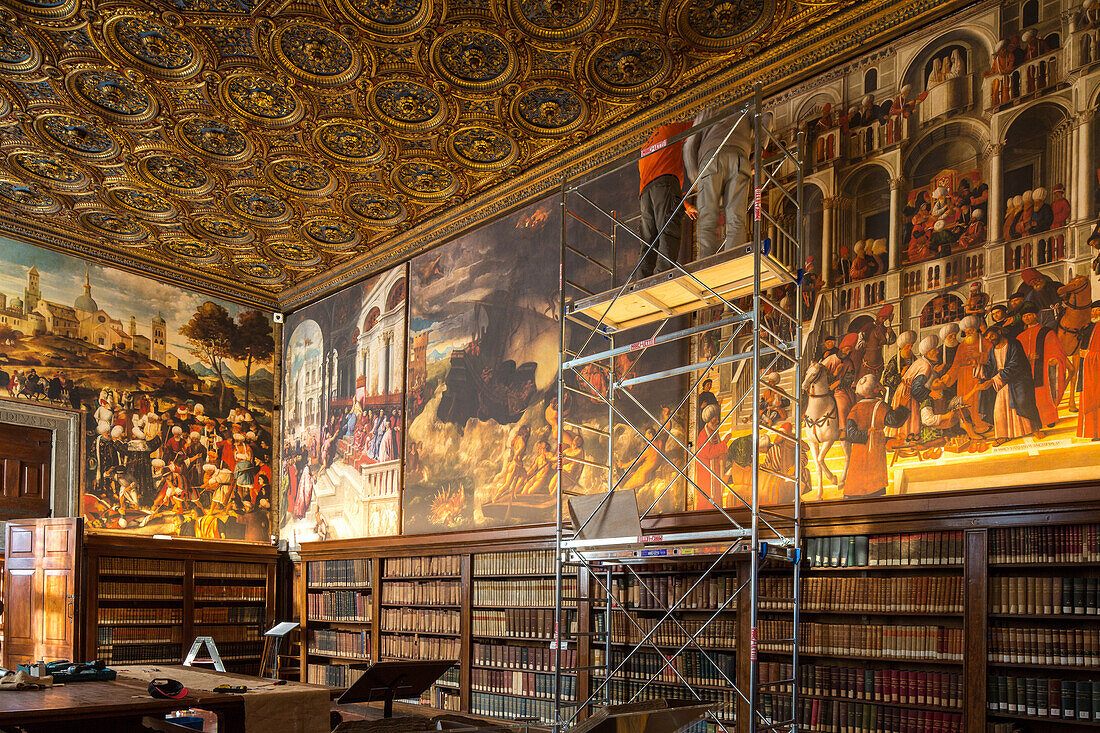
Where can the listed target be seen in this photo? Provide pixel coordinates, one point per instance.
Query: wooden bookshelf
(952, 561)
(146, 599)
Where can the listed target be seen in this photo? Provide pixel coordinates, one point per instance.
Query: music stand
(651, 716)
(384, 681)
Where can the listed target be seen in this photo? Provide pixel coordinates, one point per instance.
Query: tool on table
(230, 689)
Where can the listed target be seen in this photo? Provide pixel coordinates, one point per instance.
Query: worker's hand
(691, 210)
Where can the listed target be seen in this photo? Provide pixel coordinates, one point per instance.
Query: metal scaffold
(610, 322)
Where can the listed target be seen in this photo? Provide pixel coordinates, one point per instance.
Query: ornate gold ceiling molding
(845, 35)
(263, 148)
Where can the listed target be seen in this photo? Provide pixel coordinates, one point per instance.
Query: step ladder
(212, 654)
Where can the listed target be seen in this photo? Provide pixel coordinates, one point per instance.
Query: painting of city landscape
(951, 224)
(177, 390)
(343, 422)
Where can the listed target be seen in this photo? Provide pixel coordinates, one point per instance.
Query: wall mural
(343, 422)
(177, 389)
(952, 214)
(483, 358)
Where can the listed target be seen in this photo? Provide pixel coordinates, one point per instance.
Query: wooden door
(40, 589)
(26, 459)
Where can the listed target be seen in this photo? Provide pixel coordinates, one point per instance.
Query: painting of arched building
(343, 422)
(952, 241)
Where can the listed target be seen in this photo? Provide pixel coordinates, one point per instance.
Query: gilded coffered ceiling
(251, 146)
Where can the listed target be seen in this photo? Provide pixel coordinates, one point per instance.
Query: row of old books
(495, 705)
(147, 634)
(1059, 647)
(903, 686)
(417, 567)
(919, 548)
(242, 632)
(229, 615)
(1044, 697)
(520, 623)
(690, 665)
(663, 591)
(140, 566)
(512, 656)
(113, 591)
(719, 633)
(621, 691)
(229, 593)
(132, 616)
(1072, 543)
(237, 650)
(535, 562)
(435, 592)
(427, 620)
(217, 569)
(325, 573)
(841, 716)
(926, 643)
(403, 646)
(528, 684)
(1044, 595)
(341, 642)
(152, 653)
(339, 605)
(443, 698)
(332, 675)
(927, 594)
(526, 592)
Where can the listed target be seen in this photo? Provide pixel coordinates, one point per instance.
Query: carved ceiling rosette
(111, 95)
(555, 19)
(473, 59)
(45, 9)
(261, 99)
(259, 270)
(18, 53)
(49, 168)
(482, 148)
(628, 66)
(305, 178)
(407, 106)
(214, 138)
(315, 55)
(330, 234)
(81, 137)
(425, 179)
(152, 46)
(175, 174)
(349, 142)
(142, 202)
(225, 230)
(376, 208)
(27, 197)
(292, 253)
(258, 206)
(724, 25)
(192, 251)
(387, 18)
(119, 227)
(549, 111)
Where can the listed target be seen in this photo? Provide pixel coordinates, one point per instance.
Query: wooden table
(117, 706)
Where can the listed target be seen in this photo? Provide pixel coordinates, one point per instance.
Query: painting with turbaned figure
(951, 225)
(176, 390)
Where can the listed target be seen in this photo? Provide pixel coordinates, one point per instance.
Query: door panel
(41, 566)
(26, 457)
